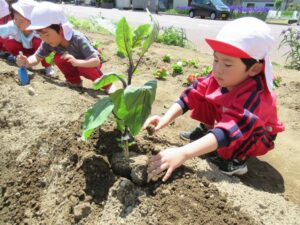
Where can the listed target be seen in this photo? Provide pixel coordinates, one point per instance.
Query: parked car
(209, 8)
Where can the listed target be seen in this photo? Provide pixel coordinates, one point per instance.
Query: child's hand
(157, 121)
(71, 59)
(168, 159)
(22, 60)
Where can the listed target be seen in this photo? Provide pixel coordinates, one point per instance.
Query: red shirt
(247, 114)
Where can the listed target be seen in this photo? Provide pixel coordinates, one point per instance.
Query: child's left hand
(71, 59)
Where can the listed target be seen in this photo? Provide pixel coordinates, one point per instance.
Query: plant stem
(126, 150)
(130, 71)
(125, 139)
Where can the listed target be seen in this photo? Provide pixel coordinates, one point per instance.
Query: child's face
(21, 22)
(50, 36)
(229, 71)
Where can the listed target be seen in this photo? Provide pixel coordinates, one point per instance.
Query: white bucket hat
(24, 7)
(246, 37)
(46, 14)
(4, 11)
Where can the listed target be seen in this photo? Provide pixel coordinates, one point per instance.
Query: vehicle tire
(192, 14)
(213, 16)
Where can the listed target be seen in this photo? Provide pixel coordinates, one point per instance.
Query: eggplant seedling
(129, 105)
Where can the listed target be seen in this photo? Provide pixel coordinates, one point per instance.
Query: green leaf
(96, 116)
(138, 101)
(140, 34)
(124, 38)
(119, 104)
(106, 79)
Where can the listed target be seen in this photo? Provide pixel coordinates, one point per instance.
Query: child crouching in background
(4, 18)
(17, 38)
(74, 54)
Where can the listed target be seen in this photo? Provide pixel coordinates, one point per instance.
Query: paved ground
(196, 29)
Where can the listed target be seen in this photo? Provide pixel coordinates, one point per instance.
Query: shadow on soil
(263, 176)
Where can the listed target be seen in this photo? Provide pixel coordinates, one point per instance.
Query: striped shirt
(245, 119)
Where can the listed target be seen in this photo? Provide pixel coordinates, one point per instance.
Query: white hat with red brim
(246, 37)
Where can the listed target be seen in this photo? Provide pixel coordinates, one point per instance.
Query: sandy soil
(49, 176)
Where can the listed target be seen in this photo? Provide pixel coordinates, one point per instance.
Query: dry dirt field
(49, 176)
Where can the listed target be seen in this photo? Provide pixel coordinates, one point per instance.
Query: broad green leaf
(138, 101)
(140, 34)
(119, 105)
(96, 116)
(106, 79)
(124, 38)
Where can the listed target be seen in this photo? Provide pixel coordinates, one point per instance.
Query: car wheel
(191, 14)
(213, 16)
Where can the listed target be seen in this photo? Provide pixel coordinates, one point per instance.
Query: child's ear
(255, 69)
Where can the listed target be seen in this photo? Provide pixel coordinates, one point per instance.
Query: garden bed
(49, 176)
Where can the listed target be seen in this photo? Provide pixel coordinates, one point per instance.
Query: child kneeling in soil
(74, 54)
(235, 100)
(4, 18)
(17, 38)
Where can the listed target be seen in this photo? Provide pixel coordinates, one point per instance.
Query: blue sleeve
(8, 29)
(183, 106)
(222, 137)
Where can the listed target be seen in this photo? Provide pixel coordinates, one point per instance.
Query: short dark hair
(250, 62)
(55, 27)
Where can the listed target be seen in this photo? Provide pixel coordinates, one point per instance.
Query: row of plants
(178, 68)
(241, 11)
(172, 36)
(179, 10)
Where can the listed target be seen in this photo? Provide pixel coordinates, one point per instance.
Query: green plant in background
(167, 58)
(172, 36)
(90, 25)
(291, 38)
(277, 81)
(184, 62)
(161, 73)
(205, 70)
(177, 68)
(129, 105)
(278, 4)
(194, 63)
(97, 46)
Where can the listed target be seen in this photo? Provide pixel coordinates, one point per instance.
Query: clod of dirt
(135, 168)
(31, 91)
(150, 129)
(82, 211)
(138, 166)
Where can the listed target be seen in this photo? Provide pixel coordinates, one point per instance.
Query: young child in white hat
(235, 101)
(4, 18)
(74, 54)
(20, 39)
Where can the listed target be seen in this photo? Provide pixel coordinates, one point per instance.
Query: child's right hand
(156, 121)
(22, 60)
